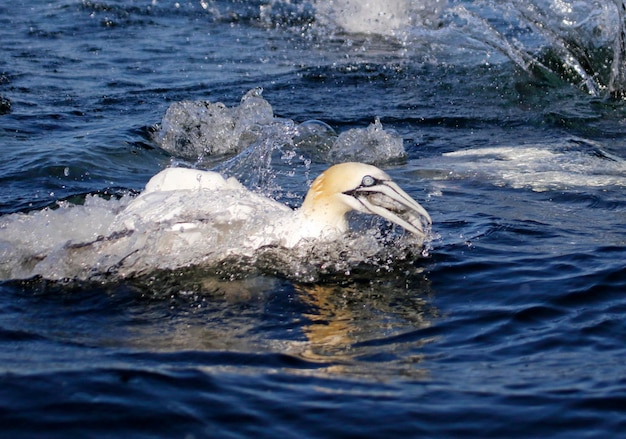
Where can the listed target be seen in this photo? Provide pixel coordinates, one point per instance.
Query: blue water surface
(510, 326)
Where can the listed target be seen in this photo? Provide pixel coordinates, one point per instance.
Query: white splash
(212, 220)
(28, 239)
(382, 17)
(539, 167)
(370, 145)
(202, 131)
(192, 129)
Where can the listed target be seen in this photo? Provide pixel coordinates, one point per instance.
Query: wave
(568, 165)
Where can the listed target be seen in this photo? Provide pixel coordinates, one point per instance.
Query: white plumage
(188, 217)
(185, 199)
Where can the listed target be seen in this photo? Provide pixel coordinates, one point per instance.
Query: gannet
(186, 200)
(188, 218)
(363, 188)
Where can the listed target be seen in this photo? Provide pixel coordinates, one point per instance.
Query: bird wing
(181, 197)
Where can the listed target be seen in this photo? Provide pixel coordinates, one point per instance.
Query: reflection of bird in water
(187, 199)
(370, 330)
(350, 326)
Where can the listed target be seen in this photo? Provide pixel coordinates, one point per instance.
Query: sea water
(510, 123)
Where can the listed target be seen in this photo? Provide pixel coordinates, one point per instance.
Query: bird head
(364, 188)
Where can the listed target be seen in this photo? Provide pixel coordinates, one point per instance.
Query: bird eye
(368, 181)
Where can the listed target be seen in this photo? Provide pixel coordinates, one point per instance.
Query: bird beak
(388, 200)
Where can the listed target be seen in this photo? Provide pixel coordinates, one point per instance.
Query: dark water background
(512, 326)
